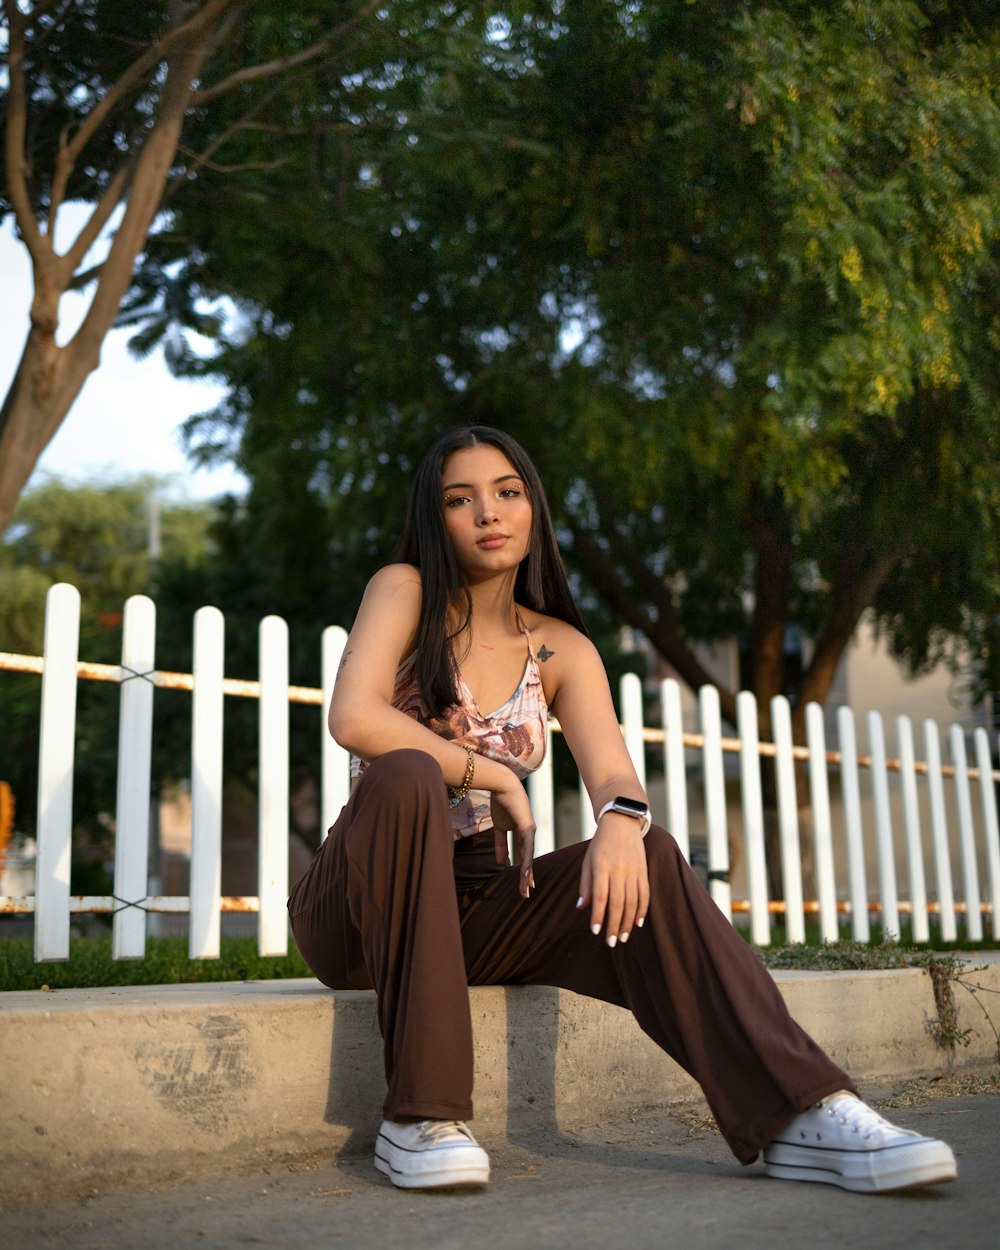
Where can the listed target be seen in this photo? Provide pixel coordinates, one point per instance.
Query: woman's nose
(487, 513)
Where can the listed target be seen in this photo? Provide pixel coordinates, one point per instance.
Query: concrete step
(103, 1088)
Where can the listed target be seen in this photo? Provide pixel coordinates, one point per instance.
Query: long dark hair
(540, 582)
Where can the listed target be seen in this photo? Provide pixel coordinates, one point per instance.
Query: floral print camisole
(513, 734)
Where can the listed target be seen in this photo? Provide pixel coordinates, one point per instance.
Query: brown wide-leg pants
(393, 902)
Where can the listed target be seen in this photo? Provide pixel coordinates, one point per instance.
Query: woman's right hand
(511, 811)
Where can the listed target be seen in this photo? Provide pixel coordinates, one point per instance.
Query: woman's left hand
(511, 811)
(614, 880)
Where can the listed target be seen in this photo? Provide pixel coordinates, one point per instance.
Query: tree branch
(862, 573)
(664, 633)
(204, 162)
(145, 195)
(770, 532)
(80, 280)
(267, 69)
(16, 160)
(203, 159)
(97, 220)
(139, 69)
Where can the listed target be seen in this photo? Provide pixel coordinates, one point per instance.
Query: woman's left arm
(614, 882)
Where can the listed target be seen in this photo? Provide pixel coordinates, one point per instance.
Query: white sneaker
(842, 1141)
(432, 1154)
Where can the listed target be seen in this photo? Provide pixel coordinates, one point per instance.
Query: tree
(773, 228)
(98, 98)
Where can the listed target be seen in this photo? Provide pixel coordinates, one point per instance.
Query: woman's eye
(455, 499)
(509, 492)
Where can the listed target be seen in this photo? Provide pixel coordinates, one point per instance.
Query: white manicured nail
(624, 938)
(595, 929)
(639, 923)
(612, 941)
(579, 902)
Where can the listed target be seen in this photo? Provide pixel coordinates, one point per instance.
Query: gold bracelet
(457, 793)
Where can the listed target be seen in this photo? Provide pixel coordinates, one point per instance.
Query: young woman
(457, 652)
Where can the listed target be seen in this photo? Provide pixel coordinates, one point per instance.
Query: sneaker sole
(863, 1171)
(465, 1177)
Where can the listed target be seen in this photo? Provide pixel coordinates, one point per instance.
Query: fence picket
(788, 820)
(715, 800)
(135, 758)
(206, 783)
(588, 826)
(753, 818)
(819, 794)
(55, 772)
(911, 829)
(885, 853)
(939, 833)
(991, 834)
(966, 835)
(675, 771)
(335, 788)
(543, 804)
(630, 693)
(851, 787)
(272, 808)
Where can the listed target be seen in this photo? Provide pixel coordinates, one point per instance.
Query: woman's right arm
(362, 717)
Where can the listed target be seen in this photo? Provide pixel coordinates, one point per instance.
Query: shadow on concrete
(356, 1087)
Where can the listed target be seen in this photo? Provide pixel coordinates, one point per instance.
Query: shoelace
(433, 1130)
(858, 1116)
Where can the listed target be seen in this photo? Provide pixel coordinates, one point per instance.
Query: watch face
(632, 806)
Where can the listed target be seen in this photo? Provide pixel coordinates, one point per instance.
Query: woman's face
(487, 512)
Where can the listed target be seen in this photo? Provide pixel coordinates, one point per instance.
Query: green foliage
(96, 537)
(165, 963)
(729, 271)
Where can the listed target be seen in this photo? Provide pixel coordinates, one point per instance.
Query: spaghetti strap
(524, 630)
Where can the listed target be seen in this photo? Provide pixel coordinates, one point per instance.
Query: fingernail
(612, 940)
(579, 902)
(624, 938)
(595, 929)
(640, 922)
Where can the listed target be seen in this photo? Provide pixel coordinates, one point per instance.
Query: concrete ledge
(102, 1088)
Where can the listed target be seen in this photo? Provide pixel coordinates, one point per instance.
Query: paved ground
(664, 1183)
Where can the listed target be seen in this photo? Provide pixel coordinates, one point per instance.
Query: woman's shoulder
(553, 638)
(395, 579)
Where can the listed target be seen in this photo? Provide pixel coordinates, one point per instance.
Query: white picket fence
(920, 795)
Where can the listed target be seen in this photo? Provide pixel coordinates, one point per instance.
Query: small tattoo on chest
(544, 653)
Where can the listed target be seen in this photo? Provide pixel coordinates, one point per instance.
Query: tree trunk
(770, 529)
(49, 378)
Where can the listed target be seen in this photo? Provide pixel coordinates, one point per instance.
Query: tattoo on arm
(343, 659)
(544, 653)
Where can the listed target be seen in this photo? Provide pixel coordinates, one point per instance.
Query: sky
(126, 420)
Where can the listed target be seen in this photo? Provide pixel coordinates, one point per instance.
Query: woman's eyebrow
(469, 485)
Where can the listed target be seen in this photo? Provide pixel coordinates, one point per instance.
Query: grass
(166, 963)
(847, 954)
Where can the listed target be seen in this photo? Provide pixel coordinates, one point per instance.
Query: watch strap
(645, 819)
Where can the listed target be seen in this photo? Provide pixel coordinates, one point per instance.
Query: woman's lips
(493, 540)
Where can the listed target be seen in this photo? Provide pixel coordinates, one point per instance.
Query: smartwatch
(630, 807)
